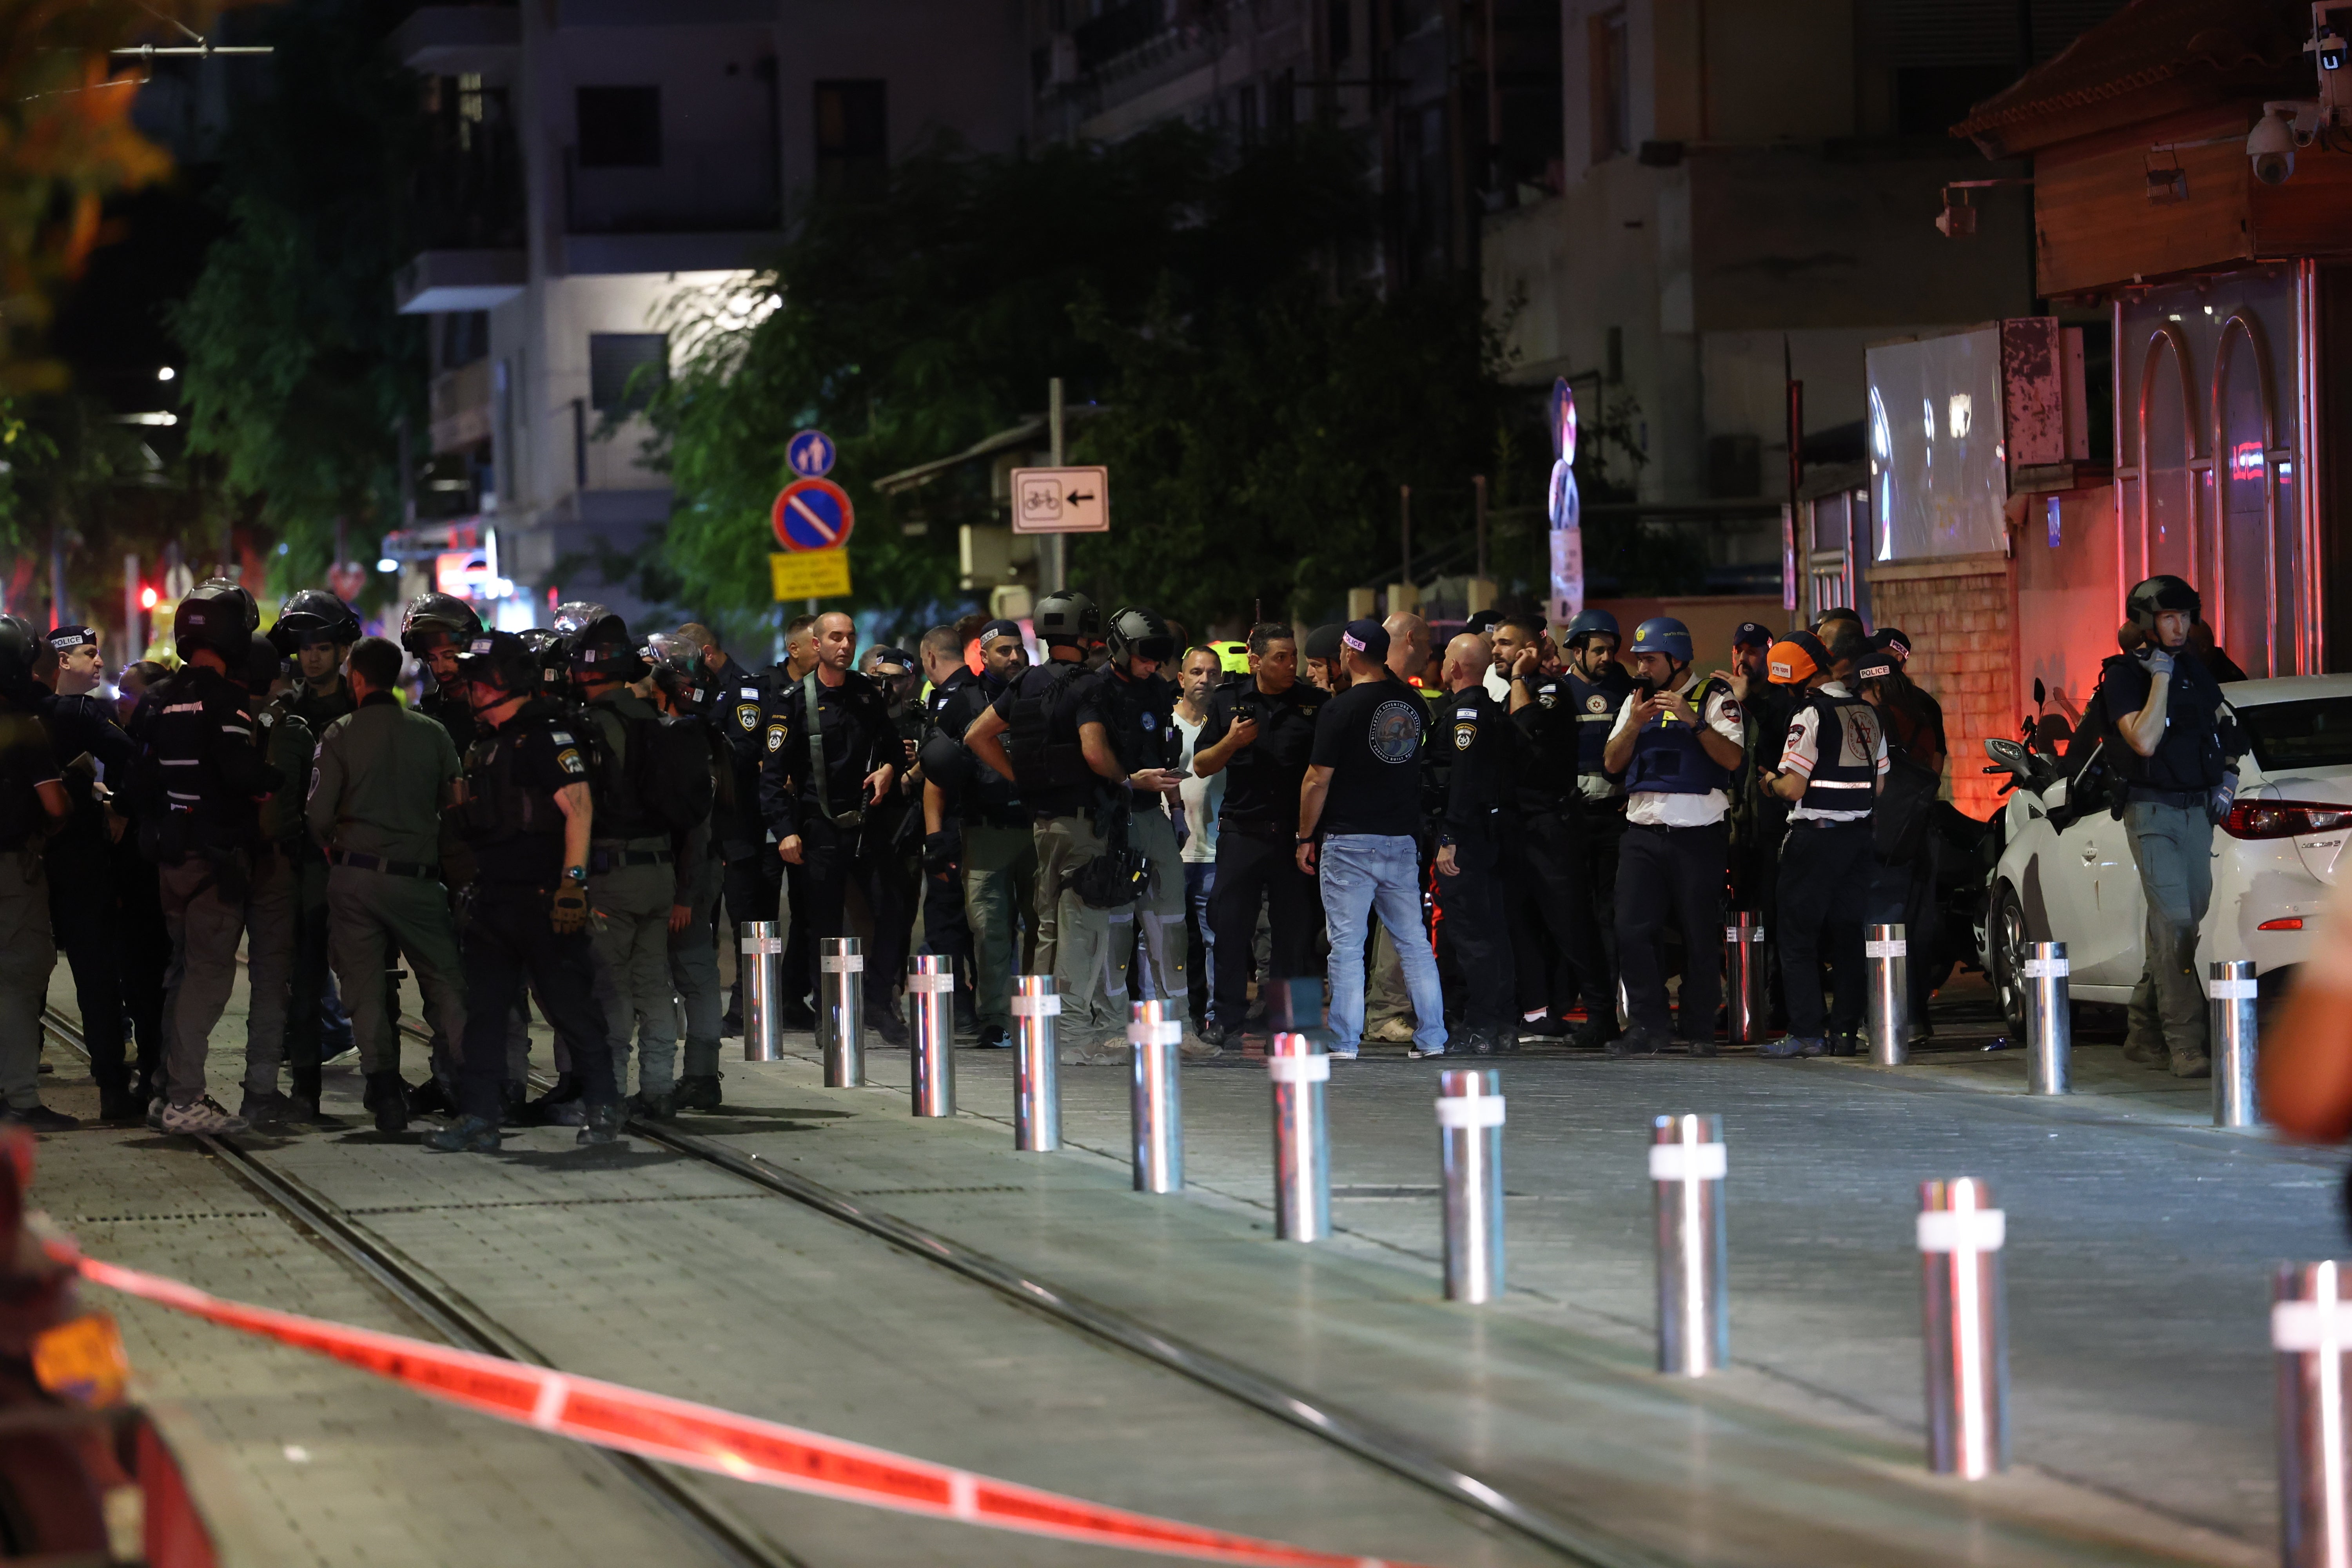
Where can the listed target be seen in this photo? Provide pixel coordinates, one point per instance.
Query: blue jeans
(1200, 881)
(1362, 873)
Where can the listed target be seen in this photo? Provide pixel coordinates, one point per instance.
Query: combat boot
(119, 1105)
(467, 1135)
(698, 1091)
(654, 1107)
(264, 1109)
(603, 1126)
(432, 1097)
(388, 1098)
(512, 1112)
(551, 1109)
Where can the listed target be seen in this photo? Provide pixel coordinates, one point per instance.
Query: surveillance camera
(2272, 146)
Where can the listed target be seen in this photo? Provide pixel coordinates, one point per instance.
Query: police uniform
(1596, 701)
(27, 947)
(894, 840)
(1549, 877)
(1258, 829)
(631, 883)
(989, 873)
(947, 933)
(1484, 745)
(515, 830)
(694, 951)
(1041, 741)
(375, 814)
(83, 906)
(1838, 743)
(273, 906)
(306, 989)
(751, 877)
(1670, 867)
(1137, 717)
(824, 807)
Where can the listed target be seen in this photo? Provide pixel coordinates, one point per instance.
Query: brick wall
(1959, 614)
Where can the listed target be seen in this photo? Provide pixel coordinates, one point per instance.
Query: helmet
(18, 644)
(1232, 656)
(503, 660)
(219, 616)
(603, 648)
(1591, 622)
(1140, 634)
(668, 650)
(574, 616)
(2158, 593)
(548, 646)
(1066, 617)
(310, 615)
(1797, 659)
(263, 665)
(1665, 634)
(432, 616)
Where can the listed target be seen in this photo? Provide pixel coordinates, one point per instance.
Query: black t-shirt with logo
(1371, 737)
(1262, 777)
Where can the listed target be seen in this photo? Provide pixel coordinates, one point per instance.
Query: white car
(2066, 870)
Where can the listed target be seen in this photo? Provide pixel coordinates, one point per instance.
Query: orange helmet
(1796, 658)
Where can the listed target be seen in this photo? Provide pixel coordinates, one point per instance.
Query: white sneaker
(206, 1118)
(1344, 1053)
(1417, 1054)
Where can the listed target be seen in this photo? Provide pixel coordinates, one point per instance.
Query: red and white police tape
(720, 1441)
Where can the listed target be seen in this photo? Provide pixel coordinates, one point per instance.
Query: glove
(2159, 661)
(569, 911)
(940, 852)
(2220, 797)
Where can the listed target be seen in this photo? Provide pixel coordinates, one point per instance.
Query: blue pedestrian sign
(810, 455)
(813, 515)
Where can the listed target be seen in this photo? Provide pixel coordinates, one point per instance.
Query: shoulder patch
(569, 760)
(1465, 736)
(1731, 709)
(1596, 703)
(776, 737)
(1465, 714)
(561, 736)
(747, 716)
(751, 691)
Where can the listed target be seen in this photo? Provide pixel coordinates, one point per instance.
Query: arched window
(2168, 436)
(2250, 600)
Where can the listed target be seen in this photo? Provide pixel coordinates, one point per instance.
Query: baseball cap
(1485, 621)
(995, 629)
(1367, 637)
(1797, 659)
(1323, 642)
(1752, 634)
(1894, 641)
(65, 638)
(1876, 663)
(885, 653)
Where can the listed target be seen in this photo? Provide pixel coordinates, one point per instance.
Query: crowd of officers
(1516, 835)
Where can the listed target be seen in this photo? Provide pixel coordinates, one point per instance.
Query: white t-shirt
(1657, 809)
(1804, 748)
(1202, 797)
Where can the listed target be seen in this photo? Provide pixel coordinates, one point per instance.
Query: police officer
(1258, 734)
(1903, 888)
(95, 755)
(2181, 745)
(632, 864)
(1676, 740)
(1471, 850)
(198, 777)
(832, 755)
(528, 818)
(316, 630)
(1029, 737)
(978, 844)
(1555, 930)
(272, 908)
(753, 878)
(437, 628)
(1760, 819)
(1831, 767)
(384, 776)
(1594, 685)
(800, 955)
(680, 684)
(894, 828)
(947, 933)
(33, 804)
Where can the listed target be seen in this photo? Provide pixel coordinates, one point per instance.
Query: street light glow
(387, 563)
(166, 374)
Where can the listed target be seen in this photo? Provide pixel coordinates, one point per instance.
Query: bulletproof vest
(194, 802)
(500, 805)
(621, 811)
(1597, 704)
(22, 740)
(1668, 758)
(1846, 736)
(1041, 735)
(2188, 757)
(986, 795)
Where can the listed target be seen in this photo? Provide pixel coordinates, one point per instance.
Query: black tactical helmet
(314, 614)
(1137, 633)
(262, 667)
(2155, 595)
(1069, 618)
(503, 660)
(574, 616)
(548, 645)
(603, 647)
(219, 616)
(431, 618)
(1590, 624)
(19, 644)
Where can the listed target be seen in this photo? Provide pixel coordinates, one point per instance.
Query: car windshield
(2290, 735)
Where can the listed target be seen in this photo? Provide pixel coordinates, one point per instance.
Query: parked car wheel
(2008, 944)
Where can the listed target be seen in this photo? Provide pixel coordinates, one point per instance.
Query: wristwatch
(577, 873)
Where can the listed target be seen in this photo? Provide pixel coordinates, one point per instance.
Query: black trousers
(1756, 887)
(831, 861)
(1825, 892)
(82, 916)
(1904, 895)
(945, 932)
(751, 886)
(1472, 915)
(1558, 956)
(306, 981)
(1673, 875)
(509, 946)
(1259, 867)
(1596, 959)
(145, 951)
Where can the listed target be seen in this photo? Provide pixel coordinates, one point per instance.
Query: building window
(852, 134)
(614, 359)
(620, 127)
(1612, 83)
(1342, 29)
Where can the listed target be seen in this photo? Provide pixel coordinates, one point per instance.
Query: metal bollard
(1966, 1327)
(1887, 956)
(1686, 1169)
(2311, 1329)
(1158, 1108)
(1299, 1068)
(930, 988)
(1036, 1086)
(841, 1011)
(763, 966)
(1470, 1158)
(2233, 992)
(1743, 994)
(2049, 1021)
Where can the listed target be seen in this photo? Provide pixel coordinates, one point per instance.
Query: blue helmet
(1587, 624)
(1665, 634)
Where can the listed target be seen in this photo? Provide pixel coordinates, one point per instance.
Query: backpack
(672, 773)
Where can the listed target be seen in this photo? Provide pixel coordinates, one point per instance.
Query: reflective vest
(1847, 733)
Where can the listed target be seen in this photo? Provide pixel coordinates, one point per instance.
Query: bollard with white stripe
(2049, 1021)
(1299, 1069)
(841, 1010)
(2232, 994)
(1153, 1099)
(1470, 1157)
(1743, 989)
(1036, 1082)
(1886, 954)
(2311, 1330)
(1687, 1163)
(1965, 1328)
(930, 998)
(762, 969)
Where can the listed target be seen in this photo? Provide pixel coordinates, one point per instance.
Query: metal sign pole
(1036, 1088)
(1154, 1101)
(2049, 1021)
(1300, 1070)
(1887, 954)
(1687, 1163)
(2311, 1328)
(1966, 1326)
(2233, 994)
(763, 966)
(930, 988)
(1470, 1158)
(841, 1011)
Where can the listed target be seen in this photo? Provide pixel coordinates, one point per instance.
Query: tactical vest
(499, 805)
(1597, 704)
(22, 742)
(1043, 757)
(1668, 758)
(1847, 732)
(2188, 756)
